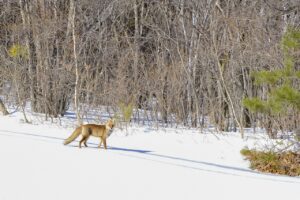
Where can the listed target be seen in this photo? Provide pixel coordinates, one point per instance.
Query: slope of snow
(141, 163)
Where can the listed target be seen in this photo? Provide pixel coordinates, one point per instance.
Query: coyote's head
(110, 123)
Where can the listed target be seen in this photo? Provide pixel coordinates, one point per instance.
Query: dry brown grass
(287, 163)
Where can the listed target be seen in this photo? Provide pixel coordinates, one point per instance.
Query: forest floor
(140, 163)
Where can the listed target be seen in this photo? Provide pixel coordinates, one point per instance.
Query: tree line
(186, 62)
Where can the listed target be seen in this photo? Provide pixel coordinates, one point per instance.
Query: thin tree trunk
(230, 101)
(25, 11)
(136, 43)
(76, 95)
(3, 109)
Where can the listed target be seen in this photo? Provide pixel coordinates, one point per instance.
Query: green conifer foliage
(282, 83)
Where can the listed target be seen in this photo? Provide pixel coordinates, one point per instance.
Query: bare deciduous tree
(181, 61)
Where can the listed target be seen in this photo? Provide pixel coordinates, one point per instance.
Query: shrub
(127, 111)
(17, 51)
(286, 163)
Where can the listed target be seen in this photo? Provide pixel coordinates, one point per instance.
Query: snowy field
(143, 163)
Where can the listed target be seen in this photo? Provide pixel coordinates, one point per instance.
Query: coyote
(101, 131)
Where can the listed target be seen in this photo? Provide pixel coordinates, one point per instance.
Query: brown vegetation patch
(287, 163)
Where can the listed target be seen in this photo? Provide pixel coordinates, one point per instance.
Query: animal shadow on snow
(95, 146)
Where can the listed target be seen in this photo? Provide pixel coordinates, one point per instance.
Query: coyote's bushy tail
(74, 135)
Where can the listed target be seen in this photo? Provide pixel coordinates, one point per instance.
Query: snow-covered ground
(142, 163)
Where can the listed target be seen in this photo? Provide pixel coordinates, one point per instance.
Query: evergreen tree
(282, 83)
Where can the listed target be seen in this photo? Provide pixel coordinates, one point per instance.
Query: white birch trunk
(72, 14)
